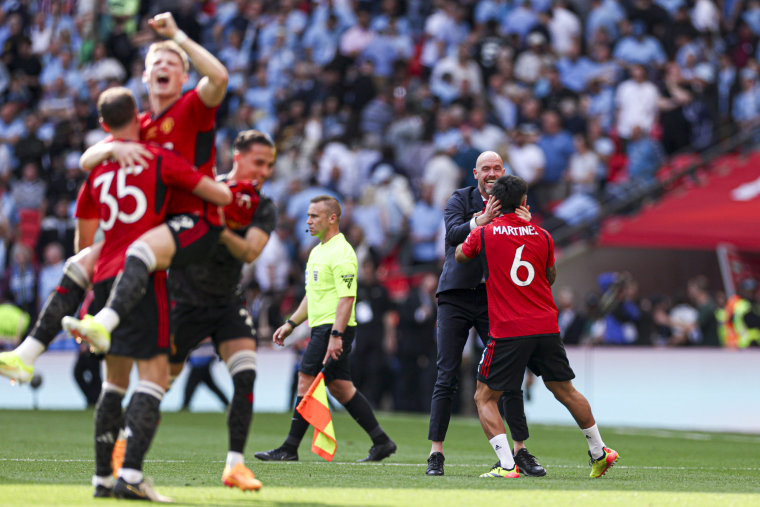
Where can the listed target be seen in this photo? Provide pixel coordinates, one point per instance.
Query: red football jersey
(520, 301)
(131, 201)
(187, 127)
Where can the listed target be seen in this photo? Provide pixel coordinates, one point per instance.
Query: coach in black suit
(462, 304)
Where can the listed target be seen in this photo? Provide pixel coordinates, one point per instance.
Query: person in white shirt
(526, 159)
(636, 102)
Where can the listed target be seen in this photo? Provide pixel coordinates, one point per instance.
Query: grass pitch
(46, 459)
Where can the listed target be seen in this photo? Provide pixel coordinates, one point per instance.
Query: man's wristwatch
(336, 333)
(292, 324)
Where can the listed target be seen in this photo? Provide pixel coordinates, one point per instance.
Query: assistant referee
(329, 304)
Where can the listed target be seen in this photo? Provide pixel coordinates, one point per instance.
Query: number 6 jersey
(132, 200)
(516, 255)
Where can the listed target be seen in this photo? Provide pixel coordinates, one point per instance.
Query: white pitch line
(418, 465)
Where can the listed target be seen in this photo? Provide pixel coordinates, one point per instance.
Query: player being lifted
(126, 202)
(184, 122)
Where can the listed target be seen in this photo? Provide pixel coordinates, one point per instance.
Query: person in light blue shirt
(746, 110)
(751, 16)
(557, 145)
(575, 69)
(487, 10)
(604, 14)
(670, 5)
(601, 103)
(644, 157)
(424, 224)
(342, 11)
(520, 20)
(639, 47)
(321, 41)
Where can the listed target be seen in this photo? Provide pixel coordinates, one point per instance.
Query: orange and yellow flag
(316, 411)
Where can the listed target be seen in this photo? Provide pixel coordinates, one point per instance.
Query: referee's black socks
(361, 411)
(298, 427)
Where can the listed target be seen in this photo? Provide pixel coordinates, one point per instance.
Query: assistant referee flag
(316, 411)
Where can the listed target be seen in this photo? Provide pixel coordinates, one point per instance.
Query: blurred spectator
(29, 191)
(618, 309)
(684, 325)
(636, 47)
(370, 356)
(51, 272)
(416, 348)
(557, 145)
(572, 322)
(525, 158)
(21, 279)
(529, 63)
(636, 101)
(199, 371)
(699, 294)
(424, 222)
(743, 315)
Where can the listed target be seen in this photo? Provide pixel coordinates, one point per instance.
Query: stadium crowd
(386, 105)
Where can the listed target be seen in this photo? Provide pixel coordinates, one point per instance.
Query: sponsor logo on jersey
(348, 280)
(151, 133)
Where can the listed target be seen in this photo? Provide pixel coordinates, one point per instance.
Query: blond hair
(168, 45)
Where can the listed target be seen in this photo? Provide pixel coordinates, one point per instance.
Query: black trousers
(458, 311)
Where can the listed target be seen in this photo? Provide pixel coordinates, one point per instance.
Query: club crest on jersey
(167, 125)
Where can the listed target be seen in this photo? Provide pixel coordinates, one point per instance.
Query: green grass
(46, 459)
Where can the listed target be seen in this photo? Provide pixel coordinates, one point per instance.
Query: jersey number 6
(517, 263)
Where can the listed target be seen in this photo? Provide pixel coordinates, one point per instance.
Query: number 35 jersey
(132, 200)
(517, 255)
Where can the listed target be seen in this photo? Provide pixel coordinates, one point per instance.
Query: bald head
(488, 168)
(488, 157)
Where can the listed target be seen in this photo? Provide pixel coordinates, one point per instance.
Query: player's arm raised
(213, 86)
(246, 249)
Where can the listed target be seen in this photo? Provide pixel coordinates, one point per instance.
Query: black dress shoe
(279, 454)
(528, 464)
(380, 451)
(435, 464)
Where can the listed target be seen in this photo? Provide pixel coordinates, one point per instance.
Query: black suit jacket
(460, 208)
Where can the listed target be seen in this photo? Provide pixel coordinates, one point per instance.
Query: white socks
(500, 446)
(233, 458)
(131, 475)
(30, 349)
(594, 440)
(108, 318)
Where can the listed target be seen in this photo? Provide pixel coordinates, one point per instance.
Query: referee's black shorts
(502, 365)
(311, 363)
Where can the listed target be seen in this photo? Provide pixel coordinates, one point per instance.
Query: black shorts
(194, 238)
(144, 333)
(311, 362)
(502, 365)
(194, 323)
